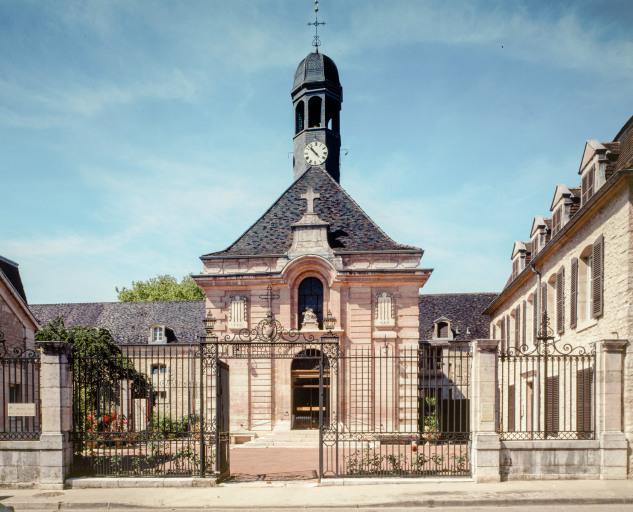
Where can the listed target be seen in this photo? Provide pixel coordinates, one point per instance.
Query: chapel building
(314, 253)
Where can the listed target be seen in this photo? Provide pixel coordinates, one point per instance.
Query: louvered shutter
(524, 324)
(534, 318)
(517, 326)
(552, 397)
(502, 328)
(573, 306)
(507, 331)
(511, 408)
(597, 277)
(560, 301)
(584, 402)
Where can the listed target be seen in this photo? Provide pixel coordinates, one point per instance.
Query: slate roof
(130, 322)
(12, 272)
(317, 68)
(350, 228)
(464, 310)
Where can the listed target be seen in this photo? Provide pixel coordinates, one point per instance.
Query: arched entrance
(310, 296)
(304, 379)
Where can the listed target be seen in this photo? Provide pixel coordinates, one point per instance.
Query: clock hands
(315, 153)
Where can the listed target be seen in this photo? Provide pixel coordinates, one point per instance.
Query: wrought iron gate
(163, 410)
(402, 412)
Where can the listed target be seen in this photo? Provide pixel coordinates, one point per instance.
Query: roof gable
(591, 148)
(538, 222)
(561, 191)
(350, 228)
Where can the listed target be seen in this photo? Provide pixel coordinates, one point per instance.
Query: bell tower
(316, 99)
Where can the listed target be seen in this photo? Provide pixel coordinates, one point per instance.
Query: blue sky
(136, 136)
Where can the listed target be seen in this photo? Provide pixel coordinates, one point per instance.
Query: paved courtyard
(274, 463)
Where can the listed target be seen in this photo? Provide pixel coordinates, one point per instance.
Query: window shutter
(560, 301)
(502, 328)
(573, 306)
(511, 409)
(584, 402)
(507, 332)
(534, 318)
(524, 324)
(517, 326)
(597, 277)
(551, 419)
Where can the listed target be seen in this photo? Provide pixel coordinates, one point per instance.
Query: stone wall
(550, 460)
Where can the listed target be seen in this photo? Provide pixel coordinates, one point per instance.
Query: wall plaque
(21, 410)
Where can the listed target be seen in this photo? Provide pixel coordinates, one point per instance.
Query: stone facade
(587, 298)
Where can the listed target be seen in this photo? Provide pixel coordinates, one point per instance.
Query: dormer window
(588, 184)
(238, 312)
(384, 309)
(442, 329)
(157, 334)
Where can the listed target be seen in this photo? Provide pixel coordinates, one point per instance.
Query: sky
(136, 136)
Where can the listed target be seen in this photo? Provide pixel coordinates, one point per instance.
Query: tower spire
(316, 40)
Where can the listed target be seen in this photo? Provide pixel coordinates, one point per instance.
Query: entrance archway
(304, 379)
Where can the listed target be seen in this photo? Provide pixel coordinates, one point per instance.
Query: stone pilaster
(486, 444)
(56, 398)
(609, 409)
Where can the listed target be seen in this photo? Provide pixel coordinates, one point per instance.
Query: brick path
(275, 463)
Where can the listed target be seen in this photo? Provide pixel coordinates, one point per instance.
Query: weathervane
(316, 40)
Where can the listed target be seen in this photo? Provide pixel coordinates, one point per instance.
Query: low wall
(549, 460)
(19, 463)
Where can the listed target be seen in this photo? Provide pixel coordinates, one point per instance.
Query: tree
(99, 366)
(164, 287)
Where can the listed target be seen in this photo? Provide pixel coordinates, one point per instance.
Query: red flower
(105, 419)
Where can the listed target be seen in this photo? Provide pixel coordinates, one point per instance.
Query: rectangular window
(237, 313)
(15, 392)
(158, 334)
(159, 369)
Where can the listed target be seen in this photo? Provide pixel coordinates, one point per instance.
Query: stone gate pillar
(609, 409)
(484, 412)
(56, 399)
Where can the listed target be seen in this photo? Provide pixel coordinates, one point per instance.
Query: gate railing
(403, 412)
(20, 408)
(546, 391)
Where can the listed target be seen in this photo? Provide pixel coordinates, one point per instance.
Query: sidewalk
(311, 496)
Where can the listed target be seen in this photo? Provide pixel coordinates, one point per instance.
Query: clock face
(315, 153)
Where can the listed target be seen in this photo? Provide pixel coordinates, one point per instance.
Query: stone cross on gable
(310, 196)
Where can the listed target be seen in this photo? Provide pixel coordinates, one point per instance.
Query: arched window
(310, 296)
(314, 112)
(299, 117)
(157, 334)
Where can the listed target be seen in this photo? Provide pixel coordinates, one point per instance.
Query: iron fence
(20, 408)
(546, 392)
(402, 412)
(140, 411)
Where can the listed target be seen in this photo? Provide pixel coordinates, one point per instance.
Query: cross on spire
(269, 296)
(316, 40)
(310, 196)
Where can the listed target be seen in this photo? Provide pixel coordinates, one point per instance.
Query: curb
(429, 503)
